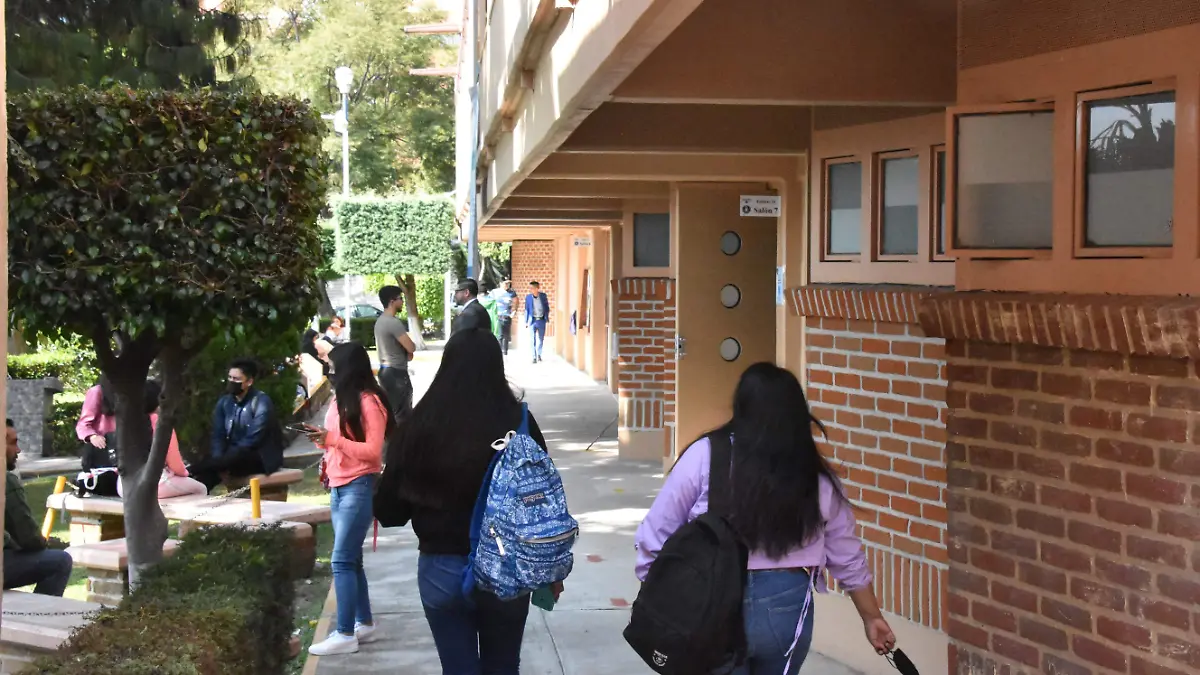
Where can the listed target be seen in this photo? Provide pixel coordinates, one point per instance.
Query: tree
(148, 222)
(168, 44)
(401, 125)
(404, 236)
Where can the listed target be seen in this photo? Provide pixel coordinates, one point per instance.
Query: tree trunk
(325, 308)
(416, 327)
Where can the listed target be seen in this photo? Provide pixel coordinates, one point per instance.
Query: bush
(75, 368)
(67, 409)
(362, 329)
(222, 605)
(273, 346)
(431, 293)
(394, 235)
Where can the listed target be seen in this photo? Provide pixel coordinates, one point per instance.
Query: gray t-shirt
(388, 331)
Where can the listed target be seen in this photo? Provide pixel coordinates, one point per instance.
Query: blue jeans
(538, 328)
(350, 510)
(480, 640)
(771, 610)
(49, 570)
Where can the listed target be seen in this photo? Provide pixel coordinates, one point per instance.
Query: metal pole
(346, 145)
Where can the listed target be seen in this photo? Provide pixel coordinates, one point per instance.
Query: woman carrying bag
(787, 507)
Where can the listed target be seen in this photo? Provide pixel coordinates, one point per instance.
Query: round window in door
(731, 243)
(731, 296)
(731, 349)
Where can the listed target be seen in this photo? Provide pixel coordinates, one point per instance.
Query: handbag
(901, 662)
(100, 482)
(91, 457)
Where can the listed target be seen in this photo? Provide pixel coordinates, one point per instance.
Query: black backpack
(687, 619)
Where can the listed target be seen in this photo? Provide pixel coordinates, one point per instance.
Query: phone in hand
(302, 428)
(544, 598)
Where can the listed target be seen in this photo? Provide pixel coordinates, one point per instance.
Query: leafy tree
(401, 125)
(406, 237)
(168, 44)
(149, 222)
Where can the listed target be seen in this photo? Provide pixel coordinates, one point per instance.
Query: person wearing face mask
(245, 438)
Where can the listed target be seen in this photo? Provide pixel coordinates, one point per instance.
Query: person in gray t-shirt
(395, 351)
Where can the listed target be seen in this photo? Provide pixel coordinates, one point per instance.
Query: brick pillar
(534, 261)
(1074, 482)
(645, 366)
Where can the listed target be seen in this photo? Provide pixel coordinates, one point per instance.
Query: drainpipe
(472, 25)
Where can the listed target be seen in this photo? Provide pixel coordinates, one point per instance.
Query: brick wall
(1074, 483)
(535, 261)
(877, 383)
(646, 352)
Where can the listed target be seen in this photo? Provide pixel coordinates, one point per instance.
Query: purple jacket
(684, 497)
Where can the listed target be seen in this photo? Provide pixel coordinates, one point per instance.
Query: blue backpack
(521, 532)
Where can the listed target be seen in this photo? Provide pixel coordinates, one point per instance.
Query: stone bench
(304, 546)
(107, 565)
(274, 486)
(25, 638)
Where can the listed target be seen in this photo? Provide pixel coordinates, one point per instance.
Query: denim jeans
(350, 510)
(48, 569)
(398, 387)
(771, 610)
(480, 640)
(538, 329)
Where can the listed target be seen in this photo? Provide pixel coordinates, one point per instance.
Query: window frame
(826, 163)
(953, 250)
(633, 227)
(936, 223)
(1083, 101)
(877, 188)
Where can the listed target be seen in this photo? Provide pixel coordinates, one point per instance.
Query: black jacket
(474, 315)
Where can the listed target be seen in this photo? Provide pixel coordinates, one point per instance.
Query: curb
(327, 614)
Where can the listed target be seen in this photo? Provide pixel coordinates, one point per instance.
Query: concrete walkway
(582, 636)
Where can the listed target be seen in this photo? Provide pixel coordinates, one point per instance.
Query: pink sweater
(93, 422)
(347, 459)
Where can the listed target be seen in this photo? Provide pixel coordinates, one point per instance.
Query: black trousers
(209, 471)
(398, 387)
(505, 333)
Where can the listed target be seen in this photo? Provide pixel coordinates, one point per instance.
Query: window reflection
(845, 208)
(898, 216)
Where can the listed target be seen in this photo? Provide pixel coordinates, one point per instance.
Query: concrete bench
(304, 542)
(107, 565)
(26, 638)
(274, 485)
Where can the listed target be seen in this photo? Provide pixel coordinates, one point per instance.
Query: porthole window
(731, 243)
(731, 296)
(731, 349)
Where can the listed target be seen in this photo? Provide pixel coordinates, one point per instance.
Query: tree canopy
(167, 44)
(401, 125)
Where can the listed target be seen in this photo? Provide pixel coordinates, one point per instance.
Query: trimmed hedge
(67, 409)
(362, 329)
(222, 605)
(394, 235)
(76, 370)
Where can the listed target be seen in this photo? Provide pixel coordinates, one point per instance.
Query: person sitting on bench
(245, 436)
(28, 557)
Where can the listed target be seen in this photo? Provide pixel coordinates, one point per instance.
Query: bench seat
(26, 638)
(107, 563)
(274, 486)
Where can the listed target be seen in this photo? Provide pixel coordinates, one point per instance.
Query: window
(1128, 169)
(899, 194)
(651, 240)
(939, 222)
(1005, 180)
(843, 198)
(585, 302)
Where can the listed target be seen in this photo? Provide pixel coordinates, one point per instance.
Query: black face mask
(233, 388)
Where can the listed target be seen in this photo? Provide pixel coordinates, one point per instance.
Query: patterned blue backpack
(521, 532)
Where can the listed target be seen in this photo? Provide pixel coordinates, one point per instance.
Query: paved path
(582, 636)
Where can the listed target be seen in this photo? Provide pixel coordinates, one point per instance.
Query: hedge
(76, 369)
(222, 605)
(67, 409)
(362, 329)
(410, 235)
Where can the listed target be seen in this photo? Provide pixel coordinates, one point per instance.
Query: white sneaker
(336, 643)
(365, 633)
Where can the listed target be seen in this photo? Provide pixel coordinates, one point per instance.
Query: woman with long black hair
(435, 467)
(357, 422)
(787, 506)
(97, 420)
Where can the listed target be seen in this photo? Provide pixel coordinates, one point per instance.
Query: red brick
(1042, 411)
(1065, 499)
(1182, 590)
(1098, 594)
(820, 340)
(1187, 653)
(1014, 434)
(968, 582)
(1152, 550)
(1042, 577)
(972, 635)
(1139, 666)
(924, 371)
(891, 406)
(1014, 544)
(1179, 397)
(992, 458)
(1123, 392)
(1070, 559)
(990, 404)
(1066, 386)
(1014, 597)
(1124, 513)
(969, 427)
(1129, 576)
(1012, 378)
(1157, 428)
(1066, 444)
(1056, 665)
(1098, 477)
(1094, 536)
(993, 616)
(887, 367)
(1123, 633)
(991, 511)
(1124, 452)
(907, 389)
(988, 561)
(1097, 360)
(1155, 488)
(967, 374)
(1095, 418)
(1043, 523)
(1013, 488)
(1042, 356)
(1016, 650)
(1158, 366)
(990, 352)
(1041, 466)
(1183, 462)
(1160, 612)
(1097, 653)
(1067, 614)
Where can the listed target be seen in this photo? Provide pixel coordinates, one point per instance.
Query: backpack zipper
(539, 540)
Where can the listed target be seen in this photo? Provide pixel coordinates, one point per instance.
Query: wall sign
(583, 242)
(761, 207)
(780, 274)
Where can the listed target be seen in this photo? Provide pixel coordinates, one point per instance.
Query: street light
(344, 78)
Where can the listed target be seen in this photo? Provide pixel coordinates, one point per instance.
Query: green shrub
(362, 329)
(67, 409)
(377, 235)
(75, 368)
(222, 605)
(431, 293)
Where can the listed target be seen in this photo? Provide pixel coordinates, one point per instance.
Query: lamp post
(344, 77)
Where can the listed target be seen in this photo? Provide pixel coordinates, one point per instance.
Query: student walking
(435, 467)
(355, 426)
(537, 313)
(787, 506)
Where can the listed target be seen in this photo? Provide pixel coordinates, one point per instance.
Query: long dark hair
(355, 378)
(108, 399)
(443, 448)
(776, 489)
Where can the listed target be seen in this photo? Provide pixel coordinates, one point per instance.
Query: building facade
(971, 227)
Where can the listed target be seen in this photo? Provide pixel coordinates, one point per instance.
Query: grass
(310, 593)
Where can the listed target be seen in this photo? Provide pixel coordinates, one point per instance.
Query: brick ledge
(862, 302)
(1143, 325)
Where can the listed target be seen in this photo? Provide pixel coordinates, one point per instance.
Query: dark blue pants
(771, 610)
(351, 513)
(480, 640)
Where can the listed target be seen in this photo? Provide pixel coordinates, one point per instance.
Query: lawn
(310, 593)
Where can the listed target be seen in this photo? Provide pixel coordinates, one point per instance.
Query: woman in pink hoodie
(357, 422)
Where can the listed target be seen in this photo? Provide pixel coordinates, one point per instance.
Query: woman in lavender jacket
(788, 506)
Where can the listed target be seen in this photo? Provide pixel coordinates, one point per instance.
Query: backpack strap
(523, 430)
(468, 579)
(718, 473)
